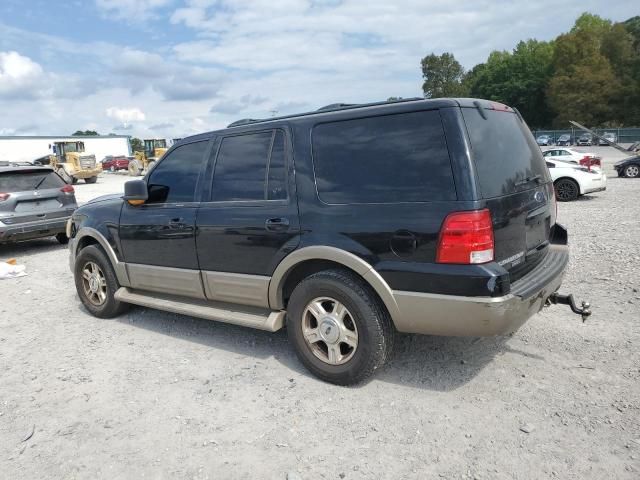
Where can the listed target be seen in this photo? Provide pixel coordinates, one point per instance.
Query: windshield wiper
(524, 181)
(40, 182)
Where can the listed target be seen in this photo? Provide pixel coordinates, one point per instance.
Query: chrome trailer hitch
(558, 299)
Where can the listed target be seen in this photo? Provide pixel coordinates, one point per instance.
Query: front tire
(339, 328)
(96, 283)
(91, 180)
(567, 190)
(632, 171)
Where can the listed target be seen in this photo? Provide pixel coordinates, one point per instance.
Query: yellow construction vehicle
(71, 162)
(154, 149)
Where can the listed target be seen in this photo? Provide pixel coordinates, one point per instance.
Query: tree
(518, 79)
(136, 144)
(584, 83)
(443, 76)
(84, 133)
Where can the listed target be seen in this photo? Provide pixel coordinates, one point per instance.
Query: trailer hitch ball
(584, 310)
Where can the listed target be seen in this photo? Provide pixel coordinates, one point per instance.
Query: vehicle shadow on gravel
(22, 249)
(420, 361)
(444, 363)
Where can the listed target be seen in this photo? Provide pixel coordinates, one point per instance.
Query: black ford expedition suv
(345, 225)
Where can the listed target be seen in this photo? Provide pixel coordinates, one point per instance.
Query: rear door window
(29, 180)
(385, 159)
(251, 167)
(504, 151)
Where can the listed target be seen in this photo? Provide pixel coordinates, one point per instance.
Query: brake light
(4, 196)
(466, 238)
(67, 190)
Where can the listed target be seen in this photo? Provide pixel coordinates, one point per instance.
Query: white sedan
(571, 180)
(566, 155)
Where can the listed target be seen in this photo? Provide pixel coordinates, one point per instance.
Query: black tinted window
(504, 151)
(29, 180)
(174, 178)
(392, 158)
(241, 168)
(276, 184)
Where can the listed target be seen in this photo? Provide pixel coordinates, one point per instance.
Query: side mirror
(135, 192)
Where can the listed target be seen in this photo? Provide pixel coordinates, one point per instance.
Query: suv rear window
(504, 151)
(385, 159)
(18, 181)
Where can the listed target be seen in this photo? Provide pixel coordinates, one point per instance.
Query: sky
(173, 68)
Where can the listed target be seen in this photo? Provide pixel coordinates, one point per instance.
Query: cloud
(122, 126)
(125, 115)
(161, 126)
(20, 76)
(234, 106)
(131, 10)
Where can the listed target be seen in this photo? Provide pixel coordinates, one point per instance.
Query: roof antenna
(273, 113)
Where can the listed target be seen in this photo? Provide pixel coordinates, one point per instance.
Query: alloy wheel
(566, 190)
(632, 171)
(329, 331)
(94, 284)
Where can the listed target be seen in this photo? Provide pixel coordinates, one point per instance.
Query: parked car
(565, 140)
(115, 163)
(566, 154)
(629, 167)
(634, 147)
(388, 221)
(571, 181)
(608, 138)
(585, 140)
(35, 202)
(545, 140)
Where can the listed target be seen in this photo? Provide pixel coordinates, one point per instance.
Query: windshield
(506, 156)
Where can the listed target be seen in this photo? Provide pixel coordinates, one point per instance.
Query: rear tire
(339, 328)
(96, 283)
(567, 190)
(134, 169)
(632, 171)
(62, 238)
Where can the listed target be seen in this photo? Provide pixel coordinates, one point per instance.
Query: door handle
(175, 221)
(277, 224)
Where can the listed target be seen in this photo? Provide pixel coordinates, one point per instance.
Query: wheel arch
(90, 236)
(577, 182)
(308, 260)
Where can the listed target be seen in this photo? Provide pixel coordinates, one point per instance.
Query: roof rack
(327, 108)
(336, 106)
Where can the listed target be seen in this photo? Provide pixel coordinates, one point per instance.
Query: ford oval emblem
(539, 197)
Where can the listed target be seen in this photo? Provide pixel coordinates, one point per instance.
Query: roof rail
(336, 106)
(243, 121)
(326, 108)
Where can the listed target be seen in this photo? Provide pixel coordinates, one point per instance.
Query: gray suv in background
(35, 202)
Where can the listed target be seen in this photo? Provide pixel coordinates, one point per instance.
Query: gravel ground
(158, 395)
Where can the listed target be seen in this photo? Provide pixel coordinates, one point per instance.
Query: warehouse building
(28, 148)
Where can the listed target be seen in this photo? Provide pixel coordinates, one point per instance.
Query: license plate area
(37, 205)
(538, 230)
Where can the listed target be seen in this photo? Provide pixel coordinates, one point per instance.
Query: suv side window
(174, 179)
(250, 167)
(385, 159)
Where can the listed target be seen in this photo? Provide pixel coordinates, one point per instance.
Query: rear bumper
(451, 315)
(595, 185)
(28, 231)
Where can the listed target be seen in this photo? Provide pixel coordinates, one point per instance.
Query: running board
(223, 312)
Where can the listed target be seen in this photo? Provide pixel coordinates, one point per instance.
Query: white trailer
(28, 148)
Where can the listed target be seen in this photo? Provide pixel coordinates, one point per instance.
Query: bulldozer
(154, 149)
(71, 162)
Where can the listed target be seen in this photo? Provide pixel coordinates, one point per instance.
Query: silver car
(35, 202)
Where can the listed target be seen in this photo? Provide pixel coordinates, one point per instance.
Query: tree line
(590, 74)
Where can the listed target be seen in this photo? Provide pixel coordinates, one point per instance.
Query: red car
(115, 163)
